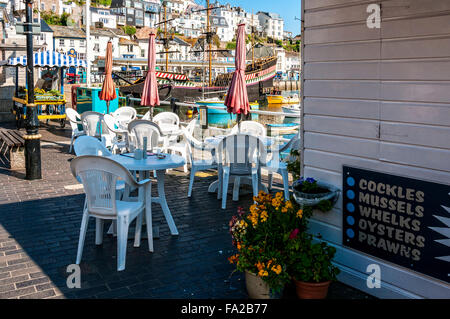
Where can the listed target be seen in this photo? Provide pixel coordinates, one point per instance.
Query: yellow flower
(264, 216)
(233, 259)
(284, 210)
(263, 273)
(277, 269)
(279, 195)
(288, 204)
(300, 213)
(238, 245)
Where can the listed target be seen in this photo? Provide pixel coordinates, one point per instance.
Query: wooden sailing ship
(259, 75)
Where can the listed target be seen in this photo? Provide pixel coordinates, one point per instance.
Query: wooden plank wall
(377, 99)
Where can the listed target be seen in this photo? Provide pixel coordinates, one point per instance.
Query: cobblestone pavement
(39, 229)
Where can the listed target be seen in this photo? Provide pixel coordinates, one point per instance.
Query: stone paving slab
(39, 229)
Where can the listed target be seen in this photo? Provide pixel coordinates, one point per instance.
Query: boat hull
(222, 117)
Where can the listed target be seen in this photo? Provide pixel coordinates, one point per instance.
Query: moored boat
(280, 99)
(295, 108)
(218, 115)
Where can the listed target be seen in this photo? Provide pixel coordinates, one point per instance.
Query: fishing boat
(218, 115)
(259, 75)
(280, 99)
(295, 108)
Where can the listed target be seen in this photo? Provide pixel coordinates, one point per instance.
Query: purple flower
(310, 180)
(294, 233)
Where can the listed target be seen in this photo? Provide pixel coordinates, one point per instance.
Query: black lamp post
(32, 138)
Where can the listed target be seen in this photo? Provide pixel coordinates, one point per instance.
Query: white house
(272, 24)
(102, 15)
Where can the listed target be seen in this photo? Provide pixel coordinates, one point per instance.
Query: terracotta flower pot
(312, 290)
(258, 288)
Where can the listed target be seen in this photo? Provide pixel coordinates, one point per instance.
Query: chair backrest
(144, 128)
(191, 126)
(99, 176)
(88, 145)
(111, 123)
(74, 118)
(166, 118)
(193, 144)
(250, 127)
(125, 112)
(91, 122)
(241, 152)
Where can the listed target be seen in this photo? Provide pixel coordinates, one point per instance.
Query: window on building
(82, 56)
(130, 48)
(42, 6)
(82, 44)
(53, 8)
(142, 53)
(61, 42)
(96, 47)
(72, 43)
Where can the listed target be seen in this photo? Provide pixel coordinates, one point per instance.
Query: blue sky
(288, 9)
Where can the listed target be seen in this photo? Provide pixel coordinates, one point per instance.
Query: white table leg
(160, 175)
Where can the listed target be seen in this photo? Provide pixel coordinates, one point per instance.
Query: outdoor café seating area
(120, 156)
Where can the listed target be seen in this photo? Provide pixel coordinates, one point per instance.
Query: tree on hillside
(52, 18)
(129, 30)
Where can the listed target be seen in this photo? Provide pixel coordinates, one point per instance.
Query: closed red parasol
(150, 95)
(108, 91)
(237, 98)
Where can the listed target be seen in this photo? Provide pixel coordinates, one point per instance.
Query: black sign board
(402, 220)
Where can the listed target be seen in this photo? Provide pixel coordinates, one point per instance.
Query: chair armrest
(144, 182)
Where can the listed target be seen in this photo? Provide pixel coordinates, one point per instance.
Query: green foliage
(129, 30)
(311, 261)
(231, 46)
(279, 43)
(52, 18)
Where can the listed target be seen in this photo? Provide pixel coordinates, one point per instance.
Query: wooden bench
(12, 149)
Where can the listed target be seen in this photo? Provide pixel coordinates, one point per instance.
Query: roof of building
(125, 41)
(101, 32)
(260, 51)
(292, 54)
(118, 31)
(60, 31)
(143, 33)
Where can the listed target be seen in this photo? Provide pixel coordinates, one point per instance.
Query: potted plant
(311, 266)
(310, 192)
(261, 237)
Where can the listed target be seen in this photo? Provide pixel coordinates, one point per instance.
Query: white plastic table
(152, 163)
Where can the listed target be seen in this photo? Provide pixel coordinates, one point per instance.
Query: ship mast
(209, 38)
(253, 44)
(166, 46)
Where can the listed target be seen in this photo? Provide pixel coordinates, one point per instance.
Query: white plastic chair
(240, 155)
(276, 165)
(116, 138)
(250, 127)
(182, 147)
(195, 147)
(166, 118)
(124, 115)
(88, 145)
(99, 176)
(143, 128)
(92, 122)
(74, 120)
